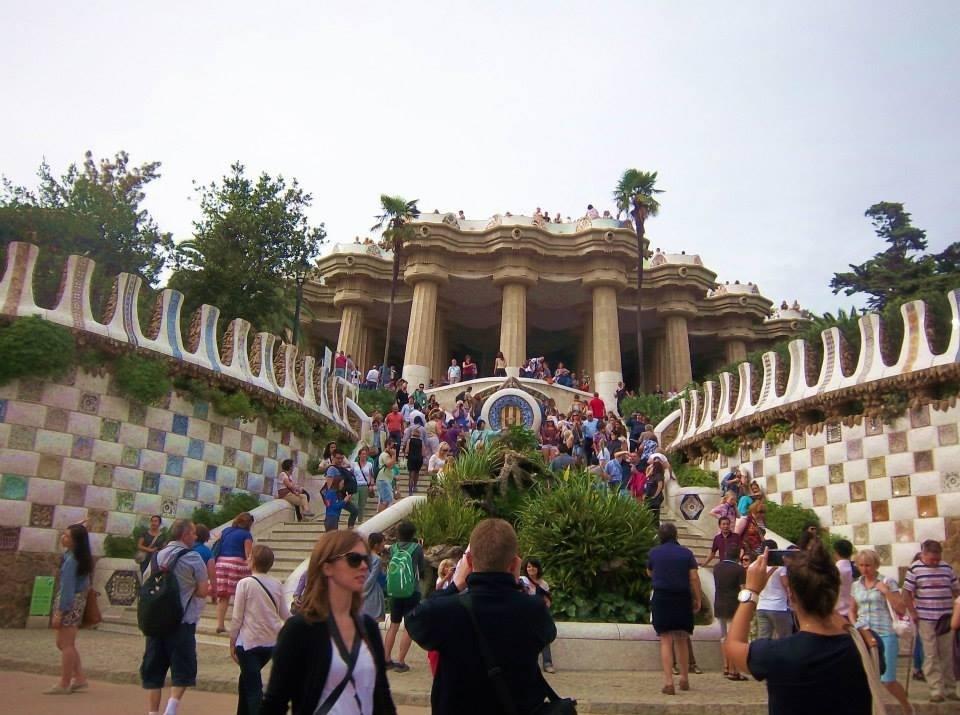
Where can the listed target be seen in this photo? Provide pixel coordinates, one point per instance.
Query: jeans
(774, 624)
(250, 685)
(547, 658)
(353, 510)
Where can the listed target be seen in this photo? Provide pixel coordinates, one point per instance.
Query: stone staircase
(699, 545)
(291, 542)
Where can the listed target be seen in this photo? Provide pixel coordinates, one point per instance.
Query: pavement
(115, 659)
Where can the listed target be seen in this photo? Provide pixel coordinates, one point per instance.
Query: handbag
(903, 627)
(91, 611)
(872, 670)
(555, 705)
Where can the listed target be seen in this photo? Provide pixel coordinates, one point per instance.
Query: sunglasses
(353, 559)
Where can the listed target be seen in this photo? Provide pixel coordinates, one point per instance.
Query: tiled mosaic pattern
(72, 452)
(885, 486)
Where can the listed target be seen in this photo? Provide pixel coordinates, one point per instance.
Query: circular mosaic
(122, 587)
(509, 407)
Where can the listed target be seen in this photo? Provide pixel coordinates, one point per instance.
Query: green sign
(42, 598)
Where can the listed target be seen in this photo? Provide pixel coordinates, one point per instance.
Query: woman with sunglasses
(329, 658)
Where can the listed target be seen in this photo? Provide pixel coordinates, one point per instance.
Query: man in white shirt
(410, 411)
(774, 617)
(592, 213)
(373, 378)
(453, 372)
(843, 550)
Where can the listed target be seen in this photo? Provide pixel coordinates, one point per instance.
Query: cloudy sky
(773, 125)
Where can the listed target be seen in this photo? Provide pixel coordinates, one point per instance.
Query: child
(534, 584)
(334, 499)
(373, 589)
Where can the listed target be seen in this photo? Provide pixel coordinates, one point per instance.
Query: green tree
(250, 241)
(92, 210)
(394, 221)
(634, 195)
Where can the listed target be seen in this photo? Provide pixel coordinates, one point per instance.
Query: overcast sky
(773, 125)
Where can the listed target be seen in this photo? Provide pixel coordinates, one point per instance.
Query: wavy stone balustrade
(265, 362)
(722, 407)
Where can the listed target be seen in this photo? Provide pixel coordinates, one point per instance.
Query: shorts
(891, 649)
(400, 608)
(177, 653)
(385, 491)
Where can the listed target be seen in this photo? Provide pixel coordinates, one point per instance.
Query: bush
(232, 505)
(593, 545)
(288, 420)
(519, 439)
(141, 379)
(120, 547)
(790, 521)
(446, 519)
(727, 446)
(34, 347)
(379, 400)
(689, 475)
(654, 407)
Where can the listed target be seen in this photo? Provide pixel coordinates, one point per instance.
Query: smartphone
(776, 557)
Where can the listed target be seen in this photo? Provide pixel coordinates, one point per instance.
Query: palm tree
(634, 195)
(397, 214)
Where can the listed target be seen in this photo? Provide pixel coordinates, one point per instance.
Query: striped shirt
(933, 589)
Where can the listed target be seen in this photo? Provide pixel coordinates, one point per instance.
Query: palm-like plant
(634, 195)
(394, 221)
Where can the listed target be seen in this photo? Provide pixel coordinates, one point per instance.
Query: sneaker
(676, 670)
(696, 669)
(919, 676)
(77, 687)
(549, 668)
(57, 690)
(400, 667)
(390, 665)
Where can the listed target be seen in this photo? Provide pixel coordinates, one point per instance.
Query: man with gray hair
(177, 651)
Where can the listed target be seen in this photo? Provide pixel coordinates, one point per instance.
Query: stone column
(656, 367)
(607, 371)
(678, 372)
(735, 351)
(586, 345)
(421, 332)
(351, 329)
(443, 354)
(513, 326)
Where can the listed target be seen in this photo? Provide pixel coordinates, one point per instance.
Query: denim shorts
(177, 653)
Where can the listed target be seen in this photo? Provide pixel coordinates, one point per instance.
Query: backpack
(401, 580)
(159, 610)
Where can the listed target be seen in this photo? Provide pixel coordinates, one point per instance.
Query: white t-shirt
(453, 374)
(846, 584)
(373, 375)
(773, 597)
(357, 697)
(435, 464)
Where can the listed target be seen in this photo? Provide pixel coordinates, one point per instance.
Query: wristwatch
(748, 596)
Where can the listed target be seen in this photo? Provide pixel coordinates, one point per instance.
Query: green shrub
(519, 439)
(689, 475)
(232, 505)
(285, 419)
(653, 406)
(34, 347)
(446, 519)
(141, 379)
(119, 547)
(379, 400)
(790, 521)
(727, 446)
(234, 405)
(593, 545)
(778, 432)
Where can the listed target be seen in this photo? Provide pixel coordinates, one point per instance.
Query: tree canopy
(93, 210)
(251, 240)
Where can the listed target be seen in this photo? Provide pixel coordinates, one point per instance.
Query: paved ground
(116, 658)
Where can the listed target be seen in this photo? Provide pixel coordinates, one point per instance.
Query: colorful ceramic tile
(211, 473)
(920, 416)
(858, 491)
(96, 520)
(927, 506)
(257, 465)
(82, 448)
(900, 486)
(242, 480)
(785, 463)
(30, 391)
(190, 489)
(246, 442)
(836, 473)
(817, 457)
(873, 426)
(897, 442)
(180, 424)
(130, 457)
(800, 479)
(769, 449)
(757, 467)
(156, 439)
(285, 439)
(103, 475)
(838, 514)
(244, 460)
(216, 433)
(3, 410)
(946, 434)
(272, 450)
(74, 494)
(950, 482)
(208, 493)
(89, 403)
(771, 485)
(255, 483)
(174, 465)
(151, 482)
(201, 410)
(724, 461)
(268, 486)
(195, 449)
(41, 515)
(56, 419)
(819, 496)
(229, 457)
(9, 538)
(877, 467)
(224, 493)
(138, 414)
(109, 430)
(786, 498)
(923, 461)
(22, 437)
(50, 466)
(799, 441)
(269, 468)
(880, 510)
(904, 531)
(885, 553)
(13, 486)
(834, 433)
(125, 501)
(854, 449)
(168, 508)
(861, 534)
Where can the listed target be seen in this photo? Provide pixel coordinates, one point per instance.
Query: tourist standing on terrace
(676, 597)
(592, 213)
(597, 407)
(76, 568)
(469, 371)
(817, 669)
(372, 380)
(500, 366)
(340, 364)
(236, 545)
(929, 589)
(453, 372)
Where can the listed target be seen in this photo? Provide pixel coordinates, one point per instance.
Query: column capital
(681, 308)
(351, 296)
(419, 272)
(519, 275)
(613, 278)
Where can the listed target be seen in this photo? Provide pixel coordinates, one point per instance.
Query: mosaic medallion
(691, 507)
(122, 588)
(509, 407)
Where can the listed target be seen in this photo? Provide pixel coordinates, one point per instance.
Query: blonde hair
(316, 595)
(445, 568)
(870, 556)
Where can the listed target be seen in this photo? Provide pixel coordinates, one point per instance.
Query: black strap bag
(555, 705)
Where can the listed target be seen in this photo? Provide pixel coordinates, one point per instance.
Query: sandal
(668, 690)
(684, 684)
(736, 676)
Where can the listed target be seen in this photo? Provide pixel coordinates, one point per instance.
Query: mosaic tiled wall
(887, 487)
(74, 449)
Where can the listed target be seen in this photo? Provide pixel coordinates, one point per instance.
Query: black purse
(555, 705)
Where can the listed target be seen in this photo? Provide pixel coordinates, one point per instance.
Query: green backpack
(401, 580)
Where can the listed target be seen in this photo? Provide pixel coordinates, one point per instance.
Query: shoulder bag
(269, 595)
(555, 705)
(903, 627)
(91, 611)
(872, 670)
(350, 658)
